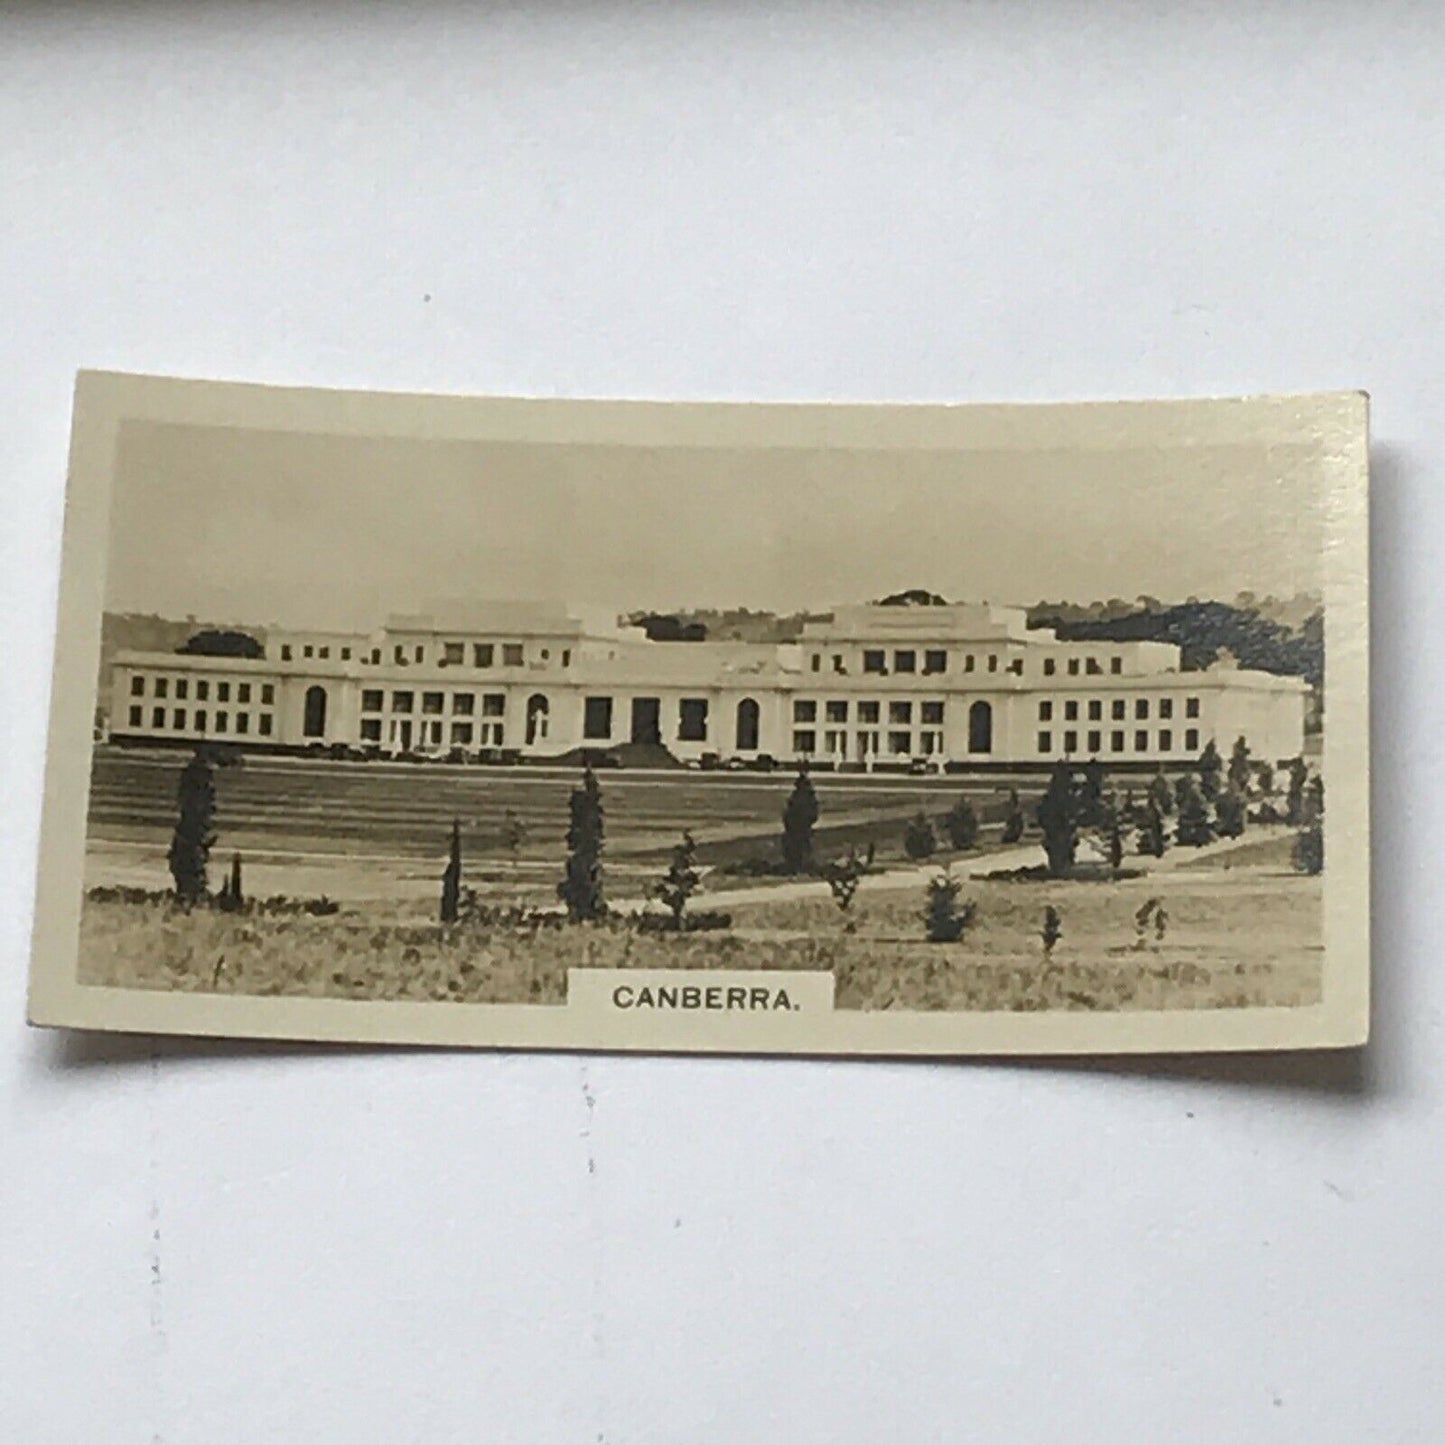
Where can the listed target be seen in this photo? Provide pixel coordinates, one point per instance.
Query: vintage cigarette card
(740, 728)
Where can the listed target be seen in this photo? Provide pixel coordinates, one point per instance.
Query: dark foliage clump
(800, 815)
(581, 886)
(194, 836)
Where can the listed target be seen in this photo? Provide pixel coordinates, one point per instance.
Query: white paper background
(991, 202)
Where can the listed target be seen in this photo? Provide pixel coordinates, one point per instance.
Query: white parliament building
(957, 685)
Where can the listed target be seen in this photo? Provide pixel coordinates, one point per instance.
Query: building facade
(869, 686)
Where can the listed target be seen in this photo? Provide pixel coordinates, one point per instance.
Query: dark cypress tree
(581, 885)
(1152, 837)
(1193, 829)
(1058, 816)
(1229, 813)
(1210, 766)
(1161, 795)
(681, 880)
(1114, 837)
(1013, 823)
(1241, 767)
(1309, 844)
(452, 877)
(193, 838)
(799, 817)
(1295, 797)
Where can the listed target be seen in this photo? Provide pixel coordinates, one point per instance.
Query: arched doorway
(313, 724)
(538, 713)
(747, 734)
(980, 728)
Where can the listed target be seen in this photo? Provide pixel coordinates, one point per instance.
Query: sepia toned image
(818, 729)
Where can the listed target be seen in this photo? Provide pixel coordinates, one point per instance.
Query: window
(137, 687)
(1073, 667)
(1141, 741)
(980, 727)
(200, 719)
(905, 660)
(1119, 709)
(432, 702)
(243, 692)
(835, 741)
(804, 711)
(900, 743)
(930, 743)
(1191, 707)
(320, 652)
(243, 722)
(692, 720)
(398, 655)
(221, 722)
(1191, 740)
(1166, 707)
(1096, 741)
(968, 662)
(993, 662)
(1046, 742)
(545, 654)
(1116, 741)
(464, 703)
(931, 713)
(306, 651)
(867, 712)
(1071, 711)
(375, 656)
(1017, 667)
(597, 717)
(263, 725)
(1093, 667)
(817, 662)
(838, 662)
(453, 654)
(511, 654)
(1116, 665)
(285, 652)
(805, 741)
(494, 704)
(178, 719)
(183, 687)
(1071, 742)
(1166, 740)
(223, 692)
(419, 652)
(135, 717)
(203, 690)
(747, 725)
(1049, 666)
(371, 730)
(1141, 708)
(162, 685)
(158, 717)
(836, 712)
(566, 657)
(346, 654)
(1046, 711)
(461, 734)
(935, 660)
(482, 654)
(371, 700)
(1096, 711)
(873, 661)
(900, 712)
(402, 701)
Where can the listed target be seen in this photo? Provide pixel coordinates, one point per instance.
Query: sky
(302, 530)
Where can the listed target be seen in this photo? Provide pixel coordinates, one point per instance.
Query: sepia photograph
(818, 729)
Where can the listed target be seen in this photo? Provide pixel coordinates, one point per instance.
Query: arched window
(538, 711)
(747, 726)
(314, 723)
(980, 728)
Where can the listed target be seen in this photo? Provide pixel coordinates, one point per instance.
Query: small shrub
(1229, 813)
(1053, 929)
(799, 817)
(1013, 823)
(681, 880)
(961, 824)
(919, 839)
(945, 918)
(1308, 854)
(452, 877)
(842, 876)
(704, 921)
